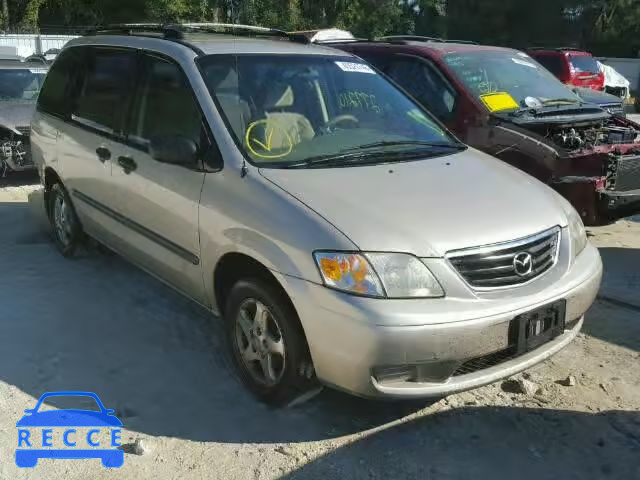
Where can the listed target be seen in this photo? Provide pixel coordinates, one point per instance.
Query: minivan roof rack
(410, 38)
(558, 49)
(177, 31)
(420, 38)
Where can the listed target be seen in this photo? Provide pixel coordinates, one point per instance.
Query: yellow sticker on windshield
(498, 101)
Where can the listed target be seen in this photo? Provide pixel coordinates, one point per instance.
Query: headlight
(577, 232)
(404, 276)
(390, 275)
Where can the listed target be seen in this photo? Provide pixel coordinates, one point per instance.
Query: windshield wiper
(361, 158)
(400, 143)
(561, 101)
(521, 111)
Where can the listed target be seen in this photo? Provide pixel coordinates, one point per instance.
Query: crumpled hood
(426, 207)
(16, 114)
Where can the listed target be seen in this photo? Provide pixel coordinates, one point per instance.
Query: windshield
(288, 110)
(21, 83)
(508, 80)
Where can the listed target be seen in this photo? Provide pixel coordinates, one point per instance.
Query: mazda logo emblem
(523, 263)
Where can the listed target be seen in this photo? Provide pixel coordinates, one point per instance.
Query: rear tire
(65, 226)
(267, 344)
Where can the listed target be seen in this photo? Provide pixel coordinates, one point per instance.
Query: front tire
(65, 226)
(267, 343)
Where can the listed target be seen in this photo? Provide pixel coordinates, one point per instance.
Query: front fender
(251, 216)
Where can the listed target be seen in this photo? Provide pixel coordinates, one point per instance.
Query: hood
(597, 97)
(426, 207)
(16, 113)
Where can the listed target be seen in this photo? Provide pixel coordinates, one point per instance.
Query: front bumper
(352, 338)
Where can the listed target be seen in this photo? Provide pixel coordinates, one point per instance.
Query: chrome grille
(494, 266)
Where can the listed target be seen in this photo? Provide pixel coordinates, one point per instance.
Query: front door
(159, 201)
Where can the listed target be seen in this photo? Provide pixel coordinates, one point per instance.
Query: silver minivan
(341, 232)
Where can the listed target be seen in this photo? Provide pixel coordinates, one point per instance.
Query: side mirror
(174, 149)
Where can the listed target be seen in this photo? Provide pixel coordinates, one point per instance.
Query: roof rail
(176, 31)
(558, 49)
(465, 42)
(420, 38)
(410, 38)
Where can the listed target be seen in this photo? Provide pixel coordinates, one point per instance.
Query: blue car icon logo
(33, 432)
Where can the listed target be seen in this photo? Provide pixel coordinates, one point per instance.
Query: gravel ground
(96, 323)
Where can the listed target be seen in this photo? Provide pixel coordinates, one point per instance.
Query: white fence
(29, 44)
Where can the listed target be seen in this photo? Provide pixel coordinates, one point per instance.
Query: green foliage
(607, 27)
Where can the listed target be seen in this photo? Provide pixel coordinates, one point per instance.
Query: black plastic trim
(136, 227)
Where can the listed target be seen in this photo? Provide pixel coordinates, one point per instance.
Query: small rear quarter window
(53, 96)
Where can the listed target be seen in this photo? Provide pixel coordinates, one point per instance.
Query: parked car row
(343, 234)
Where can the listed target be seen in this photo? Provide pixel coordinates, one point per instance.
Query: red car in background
(571, 66)
(504, 103)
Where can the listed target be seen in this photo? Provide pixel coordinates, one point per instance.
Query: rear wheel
(66, 229)
(267, 342)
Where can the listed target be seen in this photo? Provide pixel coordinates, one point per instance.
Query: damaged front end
(592, 160)
(15, 152)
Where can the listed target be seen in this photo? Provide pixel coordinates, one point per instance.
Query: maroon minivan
(503, 102)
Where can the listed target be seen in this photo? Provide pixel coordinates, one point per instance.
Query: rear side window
(165, 105)
(108, 78)
(555, 64)
(584, 63)
(53, 98)
(425, 84)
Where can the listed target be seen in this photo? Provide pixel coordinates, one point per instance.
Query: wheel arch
(51, 177)
(234, 266)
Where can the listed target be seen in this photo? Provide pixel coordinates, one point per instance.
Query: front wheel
(65, 225)
(267, 342)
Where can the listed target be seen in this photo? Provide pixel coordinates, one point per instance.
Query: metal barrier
(26, 44)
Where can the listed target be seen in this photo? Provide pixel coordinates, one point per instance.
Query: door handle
(128, 164)
(104, 154)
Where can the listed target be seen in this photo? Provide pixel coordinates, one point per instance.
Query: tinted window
(425, 84)
(108, 78)
(555, 64)
(165, 105)
(53, 97)
(584, 63)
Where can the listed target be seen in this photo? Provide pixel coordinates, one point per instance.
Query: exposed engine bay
(591, 159)
(607, 132)
(15, 153)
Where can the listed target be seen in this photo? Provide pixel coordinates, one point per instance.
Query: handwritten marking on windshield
(355, 99)
(263, 146)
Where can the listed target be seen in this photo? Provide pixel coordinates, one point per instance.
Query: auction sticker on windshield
(355, 67)
(498, 101)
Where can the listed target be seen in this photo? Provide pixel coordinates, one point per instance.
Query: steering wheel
(334, 122)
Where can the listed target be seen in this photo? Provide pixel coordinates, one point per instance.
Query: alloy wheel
(260, 343)
(62, 220)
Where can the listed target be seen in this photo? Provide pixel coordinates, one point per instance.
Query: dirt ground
(95, 323)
